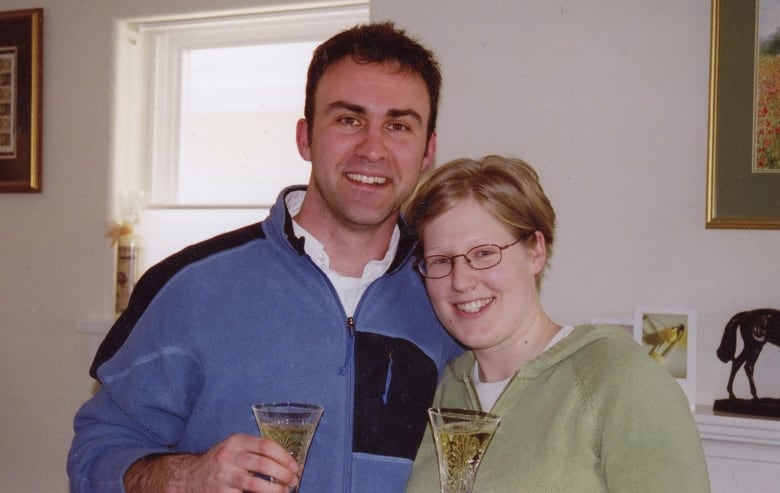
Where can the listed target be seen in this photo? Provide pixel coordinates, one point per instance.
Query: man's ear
(302, 139)
(430, 153)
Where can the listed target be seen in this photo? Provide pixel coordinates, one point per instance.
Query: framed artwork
(743, 162)
(669, 337)
(21, 55)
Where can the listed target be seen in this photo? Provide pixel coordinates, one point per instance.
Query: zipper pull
(351, 326)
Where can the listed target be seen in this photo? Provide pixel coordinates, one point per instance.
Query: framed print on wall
(21, 55)
(668, 335)
(743, 162)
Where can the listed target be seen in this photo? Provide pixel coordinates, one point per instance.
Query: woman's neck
(496, 364)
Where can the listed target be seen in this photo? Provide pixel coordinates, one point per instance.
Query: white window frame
(154, 50)
(144, 150)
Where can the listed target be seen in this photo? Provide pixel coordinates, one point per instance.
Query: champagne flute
(461, 437)
(290, 424)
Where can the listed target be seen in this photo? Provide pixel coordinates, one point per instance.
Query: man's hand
(228, 467)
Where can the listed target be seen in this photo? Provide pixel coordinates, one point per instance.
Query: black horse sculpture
(757, 327)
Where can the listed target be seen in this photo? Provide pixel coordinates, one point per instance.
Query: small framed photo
(669, 337)
(21, 55)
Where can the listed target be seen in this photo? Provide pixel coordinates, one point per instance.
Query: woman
(582, 409)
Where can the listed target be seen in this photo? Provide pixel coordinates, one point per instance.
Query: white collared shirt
(349, 289)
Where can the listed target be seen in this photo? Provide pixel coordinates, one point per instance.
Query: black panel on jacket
(395, 384)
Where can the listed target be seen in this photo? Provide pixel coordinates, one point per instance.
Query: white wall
(608, 99)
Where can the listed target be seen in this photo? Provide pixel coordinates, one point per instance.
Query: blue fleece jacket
(247, 317)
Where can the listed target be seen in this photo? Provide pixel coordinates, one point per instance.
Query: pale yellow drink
(295, 438)
(461, 437)
(292, 425)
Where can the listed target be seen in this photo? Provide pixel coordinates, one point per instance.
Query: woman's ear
(538, 252)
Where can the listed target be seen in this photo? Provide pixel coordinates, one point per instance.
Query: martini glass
(290, 424)
(461, 437)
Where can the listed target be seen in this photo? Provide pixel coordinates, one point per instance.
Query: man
(318, 303)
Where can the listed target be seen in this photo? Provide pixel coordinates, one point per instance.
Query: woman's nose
(463, 276)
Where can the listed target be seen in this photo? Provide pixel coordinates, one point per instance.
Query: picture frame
(21, 77)
(668, 335)
(738, 196)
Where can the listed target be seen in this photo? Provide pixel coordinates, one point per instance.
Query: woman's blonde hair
(508, 188)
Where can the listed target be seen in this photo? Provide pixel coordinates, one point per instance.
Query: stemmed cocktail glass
(461, 438)
(290, 424)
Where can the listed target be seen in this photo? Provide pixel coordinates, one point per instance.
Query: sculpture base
(764, 406)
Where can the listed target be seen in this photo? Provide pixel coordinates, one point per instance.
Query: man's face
(368, 143)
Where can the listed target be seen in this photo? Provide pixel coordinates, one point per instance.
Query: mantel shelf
(736, 437)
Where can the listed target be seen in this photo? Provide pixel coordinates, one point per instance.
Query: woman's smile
(474, 306)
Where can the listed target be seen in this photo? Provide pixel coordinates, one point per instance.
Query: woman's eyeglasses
(479, 258)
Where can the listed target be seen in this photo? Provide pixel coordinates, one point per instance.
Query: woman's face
(490, 308)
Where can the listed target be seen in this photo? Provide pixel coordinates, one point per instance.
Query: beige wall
(608, 99)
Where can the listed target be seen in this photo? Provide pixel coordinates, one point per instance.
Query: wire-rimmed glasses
(480, 257)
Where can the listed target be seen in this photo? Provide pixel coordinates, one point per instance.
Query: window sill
(95, 330)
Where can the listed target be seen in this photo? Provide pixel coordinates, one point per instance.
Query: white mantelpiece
(743, 453)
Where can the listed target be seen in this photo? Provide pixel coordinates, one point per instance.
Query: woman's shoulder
(609, 353)
(611, 367)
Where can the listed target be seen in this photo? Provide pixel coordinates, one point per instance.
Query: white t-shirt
(349, 289)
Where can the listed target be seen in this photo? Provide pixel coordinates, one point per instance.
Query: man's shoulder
(159, 275)
(222, 242)
(163, 271)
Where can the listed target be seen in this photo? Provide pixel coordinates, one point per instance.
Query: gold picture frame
(21, 58)
(737, 196)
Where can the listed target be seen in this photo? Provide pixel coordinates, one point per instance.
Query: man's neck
(349, 251)
(349, 247)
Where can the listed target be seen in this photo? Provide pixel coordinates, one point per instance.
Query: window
(206, 111)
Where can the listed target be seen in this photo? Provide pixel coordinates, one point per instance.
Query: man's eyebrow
(398, 113)
(343, 105)
(360, 110)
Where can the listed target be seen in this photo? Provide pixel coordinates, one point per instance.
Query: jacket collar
(406, 243)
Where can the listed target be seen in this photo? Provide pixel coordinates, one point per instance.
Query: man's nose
(372, 144)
